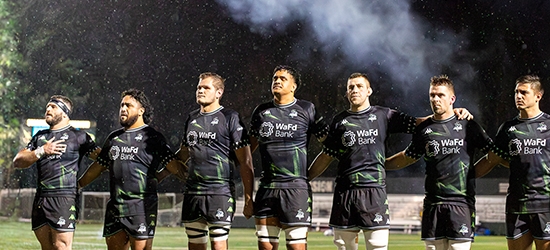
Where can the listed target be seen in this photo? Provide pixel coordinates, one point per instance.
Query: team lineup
(216, 141)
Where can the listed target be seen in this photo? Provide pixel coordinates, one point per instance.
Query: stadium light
(82, 124)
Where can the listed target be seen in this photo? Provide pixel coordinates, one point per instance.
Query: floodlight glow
(83, 124)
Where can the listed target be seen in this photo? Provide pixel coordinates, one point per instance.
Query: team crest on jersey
(215, 121)
(300, 214)
(142, 229)
(428, 131)
(266, 129)
(547, 228)
(372, 117)
(377, 218)
(348, 139)
(542, 127)
(432, 148)
(42, 137)
(61, 221)
(114, 152)
(139, 137)
(515, 147)
(293, 113)
(457, 127)
(192, 138)
(65, 136)
(219, 214)
(463, 229)
(512, 129)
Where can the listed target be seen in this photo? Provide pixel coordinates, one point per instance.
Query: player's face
(526, 97)
(358, 91)
(130, 110)
(53, 115)
(207, 92)
(283, 83)
(441, 99)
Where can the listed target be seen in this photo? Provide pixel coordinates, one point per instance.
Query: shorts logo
(348, 139)
(219, 214)
(266, 129)
(72, 217)
(547, 228)
(377, 218)
(542, 127)
(300, 214)
(457, 127)
(114, 152)
(61, 222)
(463, 229)
(71, 226)
(152, 232)
(142, 228)
(192, 138)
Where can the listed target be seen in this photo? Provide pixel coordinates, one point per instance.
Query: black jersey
(211, 139)
(524, 143)
(57, 174)
(357, 140)
(283, 133)
(448, 147)
(133, 158)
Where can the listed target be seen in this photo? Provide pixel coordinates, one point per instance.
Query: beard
(53, 120)
(130, 120)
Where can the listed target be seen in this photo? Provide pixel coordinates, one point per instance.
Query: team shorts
(536, 223)
(215, 209)
(363, 208)
(291, 206)
(448, 221)
(137, 226)
(59, 212)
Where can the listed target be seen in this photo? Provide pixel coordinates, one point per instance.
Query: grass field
(17, 235)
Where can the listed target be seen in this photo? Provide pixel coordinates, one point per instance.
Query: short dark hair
(65, 100)
(532, 80)
(292, 71)
(443, 80)
(139, 96)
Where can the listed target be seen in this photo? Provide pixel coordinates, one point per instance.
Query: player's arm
(399, 161)
(244, 158)
(183, 154)
(25, 158)
(319, 165)
(175, 167)
(253, 144)
(91, 174)
(487, 163)
(95, 153)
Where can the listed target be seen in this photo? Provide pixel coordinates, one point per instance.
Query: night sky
(162, 46)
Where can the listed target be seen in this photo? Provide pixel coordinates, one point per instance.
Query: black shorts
(59, 212)
(291, 206)
(519, 224)
(363, 208)
(137, 226)
(216, 209)
(448, 221)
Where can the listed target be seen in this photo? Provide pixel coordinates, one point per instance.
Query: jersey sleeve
(33, 144)
(318, 125)
(416, 148)
(255, 123)
(479, 137)
(104, 158)
(87, 145)
(162, 153)
(399, 122)
(501, 143)
(184, 140)
(238, 132)
(332, 145)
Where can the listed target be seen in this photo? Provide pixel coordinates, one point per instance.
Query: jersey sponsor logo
(463, 229)
(192, 138)
(363, 137)
(300, 214)
(542, 127)
(200, 137)
(279, 129)
(447, 146)
(348, 139)
(527, 147)
(457, 127)
(123, 153)
(266, 129)
(139, 137)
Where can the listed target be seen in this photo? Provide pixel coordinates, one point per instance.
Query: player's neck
(63, 123)
(283, 99)
(210, 107)
(444, 116)
(529, 112)
(359, 108)
(136, 124)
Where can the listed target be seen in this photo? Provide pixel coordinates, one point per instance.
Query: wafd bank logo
(526, 146)
(123, 153)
